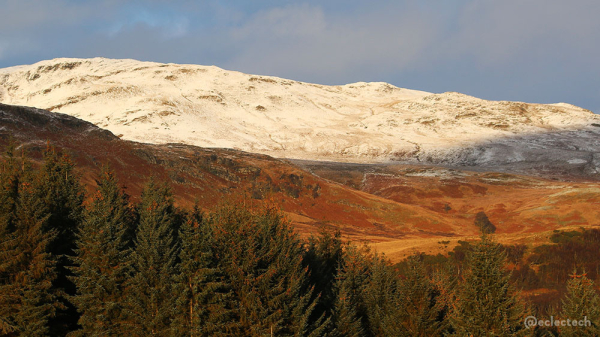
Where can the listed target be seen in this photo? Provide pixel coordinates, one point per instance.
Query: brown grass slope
(524, 209)
(397, 208)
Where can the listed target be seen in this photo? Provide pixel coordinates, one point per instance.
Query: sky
(539, 51)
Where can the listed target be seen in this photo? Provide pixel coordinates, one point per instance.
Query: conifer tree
(194, 256)
(27, 301)
(58, 186)
(487, 304)
(262, 259)
(380, 296)
(9, 186)
(323, 257)
(415, 308)
(346, 320)
(101, 263)
(581, 304)
(9, 192)
(349, 316)
(203, 296)
(150, 297)
(445, 280)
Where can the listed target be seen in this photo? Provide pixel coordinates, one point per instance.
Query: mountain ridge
(360, 122)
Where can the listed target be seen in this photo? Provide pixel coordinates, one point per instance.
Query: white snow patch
(211, 107)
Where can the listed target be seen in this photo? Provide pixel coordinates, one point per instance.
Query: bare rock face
(359, 122)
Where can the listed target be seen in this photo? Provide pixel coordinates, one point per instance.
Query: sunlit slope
(360, 122)
(396, 207)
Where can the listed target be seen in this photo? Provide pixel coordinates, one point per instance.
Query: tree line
(104, 266)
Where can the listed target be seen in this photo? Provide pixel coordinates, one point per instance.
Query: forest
(101, 265)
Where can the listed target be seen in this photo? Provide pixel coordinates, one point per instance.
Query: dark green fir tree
(323, 256)
(416, 307)
(350, 312)
(27, 270)
(10, 172)
(150, 293)
(101, 264)
(379, 293)
(487, 305)
(262, 259)
(581, 304)
(204, 298)
(58, 186)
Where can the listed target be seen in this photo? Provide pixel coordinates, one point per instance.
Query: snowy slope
(362, 122)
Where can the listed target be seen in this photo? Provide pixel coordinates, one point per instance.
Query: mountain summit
(360, 122)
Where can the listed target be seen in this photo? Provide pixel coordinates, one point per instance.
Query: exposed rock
(359, 122)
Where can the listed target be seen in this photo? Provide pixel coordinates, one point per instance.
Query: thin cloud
(19, 16)
(170, 25)
(530, 50)
(304, 41)
(496, 33)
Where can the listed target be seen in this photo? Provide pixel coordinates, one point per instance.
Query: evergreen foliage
(381, 296)
(154, 269)
(150, 301)
(9, 188)
(323, 256)
(415, 307)
(487, 304)
(58, 186)
(350, 312)
(261, 257)
(582, 303)
(204, 298)
(101, 264)
(27, 300)
(346, 317)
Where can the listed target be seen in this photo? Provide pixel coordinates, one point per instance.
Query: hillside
(526, 210)
(360, 122)
(398, 208)
(211, 176)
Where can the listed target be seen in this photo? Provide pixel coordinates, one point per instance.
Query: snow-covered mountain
(360, 122)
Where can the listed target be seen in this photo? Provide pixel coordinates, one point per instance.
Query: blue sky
(542, 51)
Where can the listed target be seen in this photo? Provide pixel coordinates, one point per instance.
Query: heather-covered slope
(360, 122)
(400, 208)
(210, 176)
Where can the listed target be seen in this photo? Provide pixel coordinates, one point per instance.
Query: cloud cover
(530, 50)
